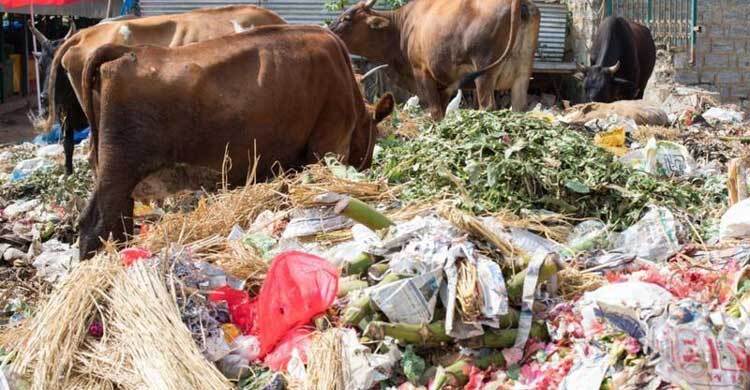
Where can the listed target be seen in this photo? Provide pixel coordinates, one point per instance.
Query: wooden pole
(109, 9)
(36, 64)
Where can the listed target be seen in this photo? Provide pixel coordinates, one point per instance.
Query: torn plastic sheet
(662, 158)
(588, 372)
(739, 253)
(527, 302)
(521, 238)
(492, 285)
(307, 222)
(654, 237)
(410, 301)
(696, 356)
(362, 368)
(56, 260)
(429, 229)
(587, 235)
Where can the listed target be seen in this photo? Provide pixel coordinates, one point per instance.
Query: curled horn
(373, 70)
(71, 31)
(38, 34)
(370, 3)
(614, 68)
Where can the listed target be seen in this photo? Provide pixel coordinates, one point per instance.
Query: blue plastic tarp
(54, 136)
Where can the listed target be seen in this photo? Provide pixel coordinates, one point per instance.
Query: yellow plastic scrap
(142, 210)
(545, 116)
(231, 332)
(612, 140)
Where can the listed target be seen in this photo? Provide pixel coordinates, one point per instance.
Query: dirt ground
(15, 126)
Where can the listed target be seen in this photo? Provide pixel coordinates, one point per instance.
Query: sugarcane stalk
(455, 375)
(505, 338)
(431, 335)
(348, 285)
(362, 213)
(495, 359)
(378, 270)
(359, 264)
(515, 285)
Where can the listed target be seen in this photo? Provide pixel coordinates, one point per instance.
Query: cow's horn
(38, 34)
(581, 67)
(71, 31)
(373, 70)
(370, 3)
(614, 68)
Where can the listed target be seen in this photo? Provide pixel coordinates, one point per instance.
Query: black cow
(47, 49)
(622, 59)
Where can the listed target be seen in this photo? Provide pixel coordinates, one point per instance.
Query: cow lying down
(284, 93)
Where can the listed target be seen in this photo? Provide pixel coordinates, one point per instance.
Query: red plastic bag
(131, 255)
(297, 288)
(298, 339)
(241, 308)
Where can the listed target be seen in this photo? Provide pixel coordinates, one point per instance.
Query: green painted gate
(672, 22)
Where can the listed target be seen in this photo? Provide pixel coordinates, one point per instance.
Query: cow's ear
(384, 107)
(377, 22)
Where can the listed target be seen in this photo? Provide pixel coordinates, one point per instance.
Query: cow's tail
(515, 27)
(105, 53)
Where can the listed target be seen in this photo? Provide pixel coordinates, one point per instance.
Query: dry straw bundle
(213, 219)
(468, 293)
(306, 189)
(47, 352)
(325, 370)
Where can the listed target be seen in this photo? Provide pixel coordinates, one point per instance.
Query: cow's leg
(518, 93)
(110, 208)
(486, 91)
(428, 92)
(75, 120)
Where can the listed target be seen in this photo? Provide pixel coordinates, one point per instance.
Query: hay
(553, 226)
(47, 352)
(242, 262)
(644, 133)
(147, 339)
(471, 224)
(325, 369)
(572, 282)
(306, 188)
(468, 294)
(214, 217)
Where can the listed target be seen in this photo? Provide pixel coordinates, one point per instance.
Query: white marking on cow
(238, 28)
(125, 32)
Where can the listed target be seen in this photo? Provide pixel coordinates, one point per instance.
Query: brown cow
(65, 76)
(286, 93)
(432, 44)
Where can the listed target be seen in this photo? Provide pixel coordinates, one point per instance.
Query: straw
(325, 369)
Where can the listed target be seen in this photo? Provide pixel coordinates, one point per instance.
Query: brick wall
(722, 51)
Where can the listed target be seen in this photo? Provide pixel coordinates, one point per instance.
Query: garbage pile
(490, 251)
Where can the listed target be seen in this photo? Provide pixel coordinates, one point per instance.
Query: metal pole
(693, 26)
(608, 7)
(25, 59)
(650, 11)
(36, 64)
(2, 54)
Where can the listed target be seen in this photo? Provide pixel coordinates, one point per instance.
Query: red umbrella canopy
(9, 4)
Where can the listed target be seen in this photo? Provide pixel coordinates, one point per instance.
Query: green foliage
(52, 185)
(504, 160)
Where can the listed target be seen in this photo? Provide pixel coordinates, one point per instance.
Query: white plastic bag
(662, 158)
(654, 237)
(735, 223)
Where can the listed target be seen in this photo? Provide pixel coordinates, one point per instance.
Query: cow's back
(646, 49)
(264, 90)
(161, 30)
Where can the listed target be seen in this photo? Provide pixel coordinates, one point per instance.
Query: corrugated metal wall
(550, 48)
(95, 9)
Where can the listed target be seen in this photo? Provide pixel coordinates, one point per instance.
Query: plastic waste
(50, 151)
(588, 235)
(298, 287)
(628, 306)
(662, 158)
(295, 342)
(612, 140)
(716, 115)
(20, 207)
(56, 260)
(412, 103)
(697, 353)
(654, 237)
(53, 136)
(261, 242)
(307, 222)
(242, 311)
(26, 167)
(131, 255)
(735, 223)
(588, 372)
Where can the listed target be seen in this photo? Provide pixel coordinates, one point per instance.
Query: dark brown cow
(286, 93)
(435, 45)
(65, 75)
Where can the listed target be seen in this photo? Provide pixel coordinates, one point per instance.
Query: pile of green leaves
(504, 160)
(51, 185)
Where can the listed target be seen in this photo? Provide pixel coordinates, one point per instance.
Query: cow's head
(602, 85)
(365, 135)
(363, 30)
(45, 55)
